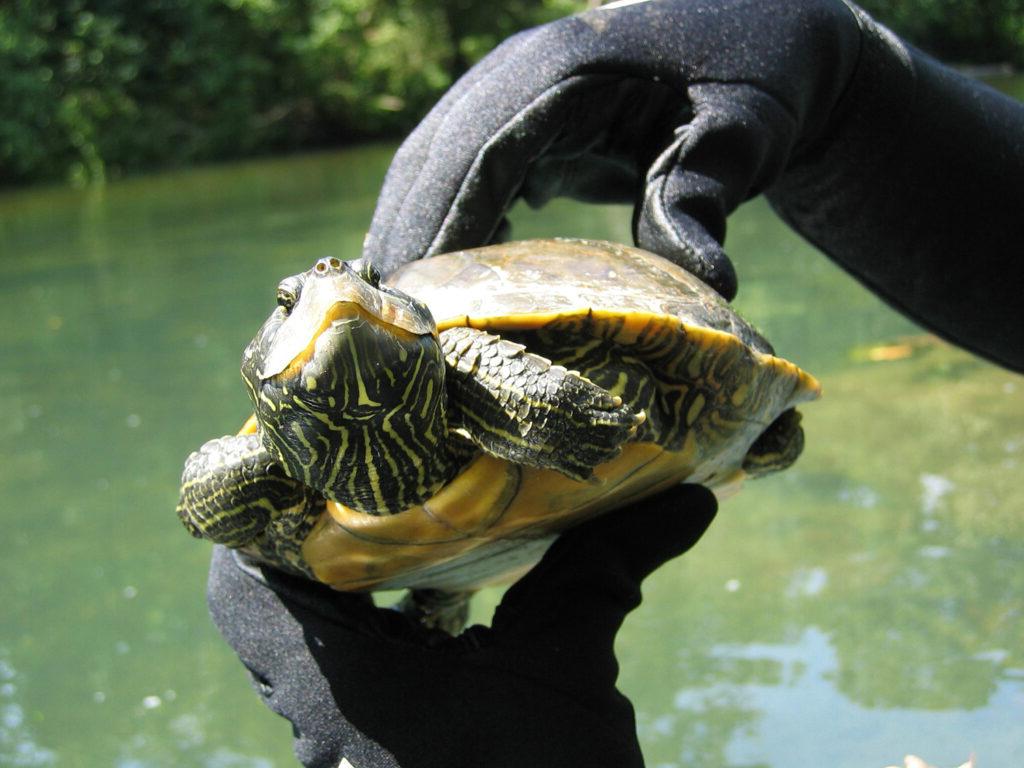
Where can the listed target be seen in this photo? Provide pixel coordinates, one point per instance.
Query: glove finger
(590, 578)
(463, 187)
(735, 146)
(438, 165)
(271, 642)
(235, 586)
(560, 621)
(456, 175)
(331, 663)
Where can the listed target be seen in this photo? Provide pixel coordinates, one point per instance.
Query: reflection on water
(761, 685)
(17, 743)
(863, 605)
(879, 609)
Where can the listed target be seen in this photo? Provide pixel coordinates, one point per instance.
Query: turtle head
(347, 380)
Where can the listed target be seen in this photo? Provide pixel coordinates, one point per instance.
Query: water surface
(863, 605)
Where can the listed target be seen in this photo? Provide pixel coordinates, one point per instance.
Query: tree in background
(976, 32)
(98, 88)
(91, 89)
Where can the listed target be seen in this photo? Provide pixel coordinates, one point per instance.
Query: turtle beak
(296, 339)
(334, 293)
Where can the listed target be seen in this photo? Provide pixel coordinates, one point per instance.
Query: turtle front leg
(233, 492)
(519, 406)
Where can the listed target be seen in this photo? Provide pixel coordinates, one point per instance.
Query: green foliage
(97, 88)
(370, 65)
(982, 31)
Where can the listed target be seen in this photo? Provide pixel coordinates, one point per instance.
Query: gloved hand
(907, 174)
(537, 688)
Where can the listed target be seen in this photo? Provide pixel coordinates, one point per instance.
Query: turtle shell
(717, 377)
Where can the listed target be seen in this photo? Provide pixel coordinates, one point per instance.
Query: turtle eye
(288, 293)
(367, 272)
(285, 298)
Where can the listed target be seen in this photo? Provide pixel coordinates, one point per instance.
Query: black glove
(908, 175)
(537, 688)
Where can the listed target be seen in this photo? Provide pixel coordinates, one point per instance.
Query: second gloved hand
(536, 688)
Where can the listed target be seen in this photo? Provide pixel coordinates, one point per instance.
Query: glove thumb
(570, 606)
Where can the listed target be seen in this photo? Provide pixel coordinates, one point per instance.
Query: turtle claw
(602, 427)
(436, 609)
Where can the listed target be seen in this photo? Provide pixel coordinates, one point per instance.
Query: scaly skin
(518, 406)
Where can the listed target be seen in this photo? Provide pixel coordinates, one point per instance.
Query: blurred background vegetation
(95, 89)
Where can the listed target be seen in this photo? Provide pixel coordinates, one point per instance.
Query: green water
(863, 605)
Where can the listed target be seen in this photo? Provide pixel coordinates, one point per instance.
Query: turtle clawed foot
(437, 609)
(777, 447)
(606, 424)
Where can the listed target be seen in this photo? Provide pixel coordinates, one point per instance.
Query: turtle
(436, 429)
